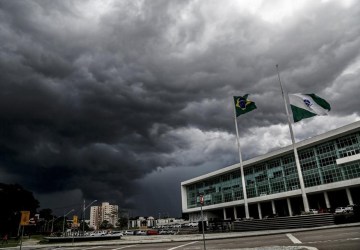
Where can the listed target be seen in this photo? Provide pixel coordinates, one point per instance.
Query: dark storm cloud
(98, 95)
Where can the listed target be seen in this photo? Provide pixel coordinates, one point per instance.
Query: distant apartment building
(107, 212)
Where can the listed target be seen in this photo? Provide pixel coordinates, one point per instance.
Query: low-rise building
(330, 171)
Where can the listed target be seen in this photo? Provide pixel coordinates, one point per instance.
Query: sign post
(201, 200)
(73, 226)
(24, 221)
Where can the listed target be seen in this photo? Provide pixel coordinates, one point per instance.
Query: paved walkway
(137, 239)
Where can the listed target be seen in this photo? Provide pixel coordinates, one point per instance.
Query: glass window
(311, 178)
(325, 148)
(351, 170)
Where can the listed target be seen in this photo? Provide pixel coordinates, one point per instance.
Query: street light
(52, 223)
(72, 210)
(84, 214)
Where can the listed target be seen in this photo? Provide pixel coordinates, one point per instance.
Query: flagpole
(241, 168)
(298, 167)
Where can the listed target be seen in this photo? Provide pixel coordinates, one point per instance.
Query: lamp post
(72, 210)
(52, 223)
(83, 226)
(201, 201)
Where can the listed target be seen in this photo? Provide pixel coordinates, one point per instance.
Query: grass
(12, 242)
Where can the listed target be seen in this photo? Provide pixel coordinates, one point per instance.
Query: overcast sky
(120, 101)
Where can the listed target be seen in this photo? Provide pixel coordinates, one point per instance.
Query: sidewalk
(126, 240)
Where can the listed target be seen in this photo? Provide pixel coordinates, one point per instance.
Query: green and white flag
(307, 105)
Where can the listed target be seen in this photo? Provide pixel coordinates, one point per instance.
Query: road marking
(278, 247)
(293, 239)
(123, 247)
(322, 241)
(182, 245)
(90, 248)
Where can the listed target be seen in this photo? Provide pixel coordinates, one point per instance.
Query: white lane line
(182, 245)
(90, 248)
(293, 239)
(309, 248)
(123, 247)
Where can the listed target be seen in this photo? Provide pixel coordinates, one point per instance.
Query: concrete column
(273, 207)
(289, 206)
(259, 210)
(224, 212)
(235, 213)
(327, 202)
(348, 193)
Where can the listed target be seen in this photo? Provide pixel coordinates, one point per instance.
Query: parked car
(128, 232)
(193, 224)
(340, 210)
(140, 232)
(349, 208)
(313, 211)
(163, 232)
(152, 232)
(97, 234)
(118, 233)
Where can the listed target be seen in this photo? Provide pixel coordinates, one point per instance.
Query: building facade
(107, 212)
(330, 168)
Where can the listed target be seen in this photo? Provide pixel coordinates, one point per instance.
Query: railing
(301, 221)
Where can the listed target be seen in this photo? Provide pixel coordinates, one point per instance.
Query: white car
(140, 232)
(97, 234)
(340, 210)
(313, 211)
(349, 208)
(128, 232)
(117, 233)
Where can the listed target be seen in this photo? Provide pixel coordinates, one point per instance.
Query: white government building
(330, 173)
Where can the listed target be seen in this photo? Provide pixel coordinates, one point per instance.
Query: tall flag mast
(241, 106)
(298, 167)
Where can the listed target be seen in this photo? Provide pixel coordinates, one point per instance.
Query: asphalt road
(325, 239)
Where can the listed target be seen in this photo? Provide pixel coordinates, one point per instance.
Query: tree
(123, 219)
(46, 214)
(84, 225)
(14, 199)
(122, 222)
(105, 225)
(46, 222)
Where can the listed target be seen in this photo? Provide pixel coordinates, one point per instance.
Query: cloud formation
(121, 100)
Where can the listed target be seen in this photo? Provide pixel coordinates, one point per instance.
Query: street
(327, 239)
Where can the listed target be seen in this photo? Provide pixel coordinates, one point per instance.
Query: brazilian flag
(243, 105)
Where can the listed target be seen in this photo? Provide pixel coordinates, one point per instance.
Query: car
(97, 234)
(349, 208)
(193, 224)
(140, 232)
(117, 233)
(128, 232)
(313, 211)
(152, 232)
(340, 210)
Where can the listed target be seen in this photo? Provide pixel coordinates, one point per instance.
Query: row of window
(318, 165)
